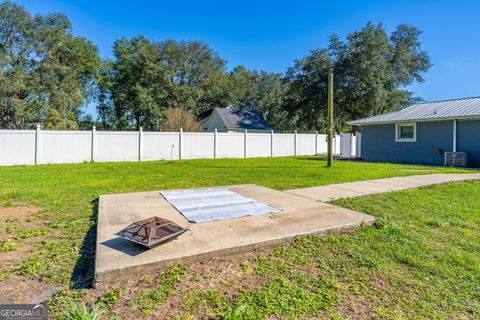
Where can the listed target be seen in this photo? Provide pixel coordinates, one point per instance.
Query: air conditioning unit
(455, 159)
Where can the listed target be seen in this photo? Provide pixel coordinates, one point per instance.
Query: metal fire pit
(151, 231)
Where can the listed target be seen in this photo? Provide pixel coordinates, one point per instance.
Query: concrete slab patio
(363, 188)
(117, 258)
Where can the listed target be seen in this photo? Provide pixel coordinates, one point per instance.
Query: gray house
(425, 133)
(231, 119)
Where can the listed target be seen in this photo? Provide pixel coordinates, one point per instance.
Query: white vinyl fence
(26, 147)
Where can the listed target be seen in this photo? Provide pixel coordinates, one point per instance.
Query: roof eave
(354, 123)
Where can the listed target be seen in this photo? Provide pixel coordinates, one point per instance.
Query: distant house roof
(239, 119)
(466, 108)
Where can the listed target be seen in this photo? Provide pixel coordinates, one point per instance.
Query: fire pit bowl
(151, 232)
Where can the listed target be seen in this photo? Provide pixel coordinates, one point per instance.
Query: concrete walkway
(363, 188)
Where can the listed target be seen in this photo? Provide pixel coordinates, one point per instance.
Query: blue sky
(270, 35)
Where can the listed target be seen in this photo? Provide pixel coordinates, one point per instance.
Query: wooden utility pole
(330, 121)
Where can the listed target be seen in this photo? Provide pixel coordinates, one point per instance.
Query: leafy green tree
(306, 93)
(140, 85)
(16, 65)
(104, 81)
(46, 73)
(372, 71)
(146, 78)
(259, 91)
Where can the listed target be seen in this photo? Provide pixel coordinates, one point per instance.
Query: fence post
(93, 151)
(140, 143)
(245, 144)
(38, 136)
(353, 149)
(295, 144)
(180, 134)
(215, 144)
(316, 142)
(271, 143)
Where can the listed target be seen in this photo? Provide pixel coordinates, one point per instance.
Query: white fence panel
(30, 146)
(230, 145)
(322, 144)
(346, 145)
(117, 146)
(259, 145)
(160, 146)
(17, 147)
(198, 145)
(283, 144)
(337, 144)
(353, 143)
(65, 147)
(305, 144)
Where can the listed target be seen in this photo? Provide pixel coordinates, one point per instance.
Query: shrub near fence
(38, 146)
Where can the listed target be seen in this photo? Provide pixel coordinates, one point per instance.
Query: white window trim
(397, 130)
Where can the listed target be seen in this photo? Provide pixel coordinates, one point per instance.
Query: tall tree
(45, 71)
(306, 93)
(146, 78)
(259, 91)
(372, 72)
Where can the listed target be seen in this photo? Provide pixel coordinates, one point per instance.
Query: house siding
(378, 143)
(468, 140)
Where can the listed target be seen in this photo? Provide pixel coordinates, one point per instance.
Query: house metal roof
(242, 119)
(465, 108)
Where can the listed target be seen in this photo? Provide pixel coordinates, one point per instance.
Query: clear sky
(268, 35)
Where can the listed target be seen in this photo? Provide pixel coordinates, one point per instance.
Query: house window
(406, 132)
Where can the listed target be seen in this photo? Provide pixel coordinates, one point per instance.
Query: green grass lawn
(421, 261)
(56, 242)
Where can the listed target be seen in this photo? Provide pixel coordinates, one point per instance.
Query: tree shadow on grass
(324, 158)
(84, 270)
(314, 158)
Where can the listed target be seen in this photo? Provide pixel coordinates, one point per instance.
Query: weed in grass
(246, 269)
(13, 229)
(147, 280)
(294, 256)
(11, 219)
(6, 203)
(386, 223)
(169, 281)
(25, 233)
(58, 253)
(211, 303)
(82, 312)
(4, 275)
(8, 245)
(110, 297)
(282, 298)
(436, 224)
(196, 277)
(60, 302)
(271, 266)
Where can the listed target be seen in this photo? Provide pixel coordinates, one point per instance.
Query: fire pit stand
(151, 232)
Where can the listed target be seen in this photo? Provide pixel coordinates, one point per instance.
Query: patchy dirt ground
(14, 288)
(18, 289)
(229, 275)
